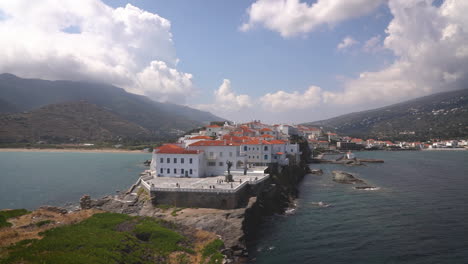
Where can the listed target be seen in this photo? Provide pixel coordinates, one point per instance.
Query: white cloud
(284, 101)
(88, 40)
(293, 17)
(429, 43)
(346, 43)
(226, 101)
(373, 44)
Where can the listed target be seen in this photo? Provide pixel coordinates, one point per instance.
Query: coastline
(69, 150)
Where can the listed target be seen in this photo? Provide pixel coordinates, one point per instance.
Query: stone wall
(218, 200)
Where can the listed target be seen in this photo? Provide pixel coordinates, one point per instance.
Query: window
(168, 171)
(245, 148)
(220, 154)
(182, 171)
(266, 157)
(191, 171)
(168, 160)
(175, 160)
(175, 171)
(230, 154)
(162, 170)
(182, 160)
(221, 164)
(211, 163)
(211, 154)
(292, 150)
(190, 160)
(258, 157)
(265, 148)
(161, 160)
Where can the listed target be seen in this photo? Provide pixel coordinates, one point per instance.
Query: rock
(345, 177)
(85, 202)
(367, 188)
(317, 171)
(54, 209)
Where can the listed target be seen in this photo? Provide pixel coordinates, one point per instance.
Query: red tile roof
(214, 143)
(267, 136)
(279, 153)
(201, 137)
(257, 141)
(277, 141)
(265, 129)
(174, 149)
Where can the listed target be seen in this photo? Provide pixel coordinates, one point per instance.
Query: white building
(217, 153)
(171, 160)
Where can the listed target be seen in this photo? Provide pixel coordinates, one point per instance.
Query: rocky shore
(236, 227)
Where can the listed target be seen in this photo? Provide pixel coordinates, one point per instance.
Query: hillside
(442, 115)
(68, 122)
(160, 119)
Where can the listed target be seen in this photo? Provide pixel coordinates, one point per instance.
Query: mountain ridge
(161, 119)
(440, 115)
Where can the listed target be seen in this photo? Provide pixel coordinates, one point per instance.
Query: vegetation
(6, 214)
(104, 238)
(110, 113)
(442, 115)
(212, 252)
(44, 222)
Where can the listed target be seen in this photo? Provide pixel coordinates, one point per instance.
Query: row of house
(208, 152)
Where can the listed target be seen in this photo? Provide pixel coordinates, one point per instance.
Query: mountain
(160, 119)
(68, 122)
(441, 115)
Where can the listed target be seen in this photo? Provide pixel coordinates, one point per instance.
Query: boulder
(345, 177)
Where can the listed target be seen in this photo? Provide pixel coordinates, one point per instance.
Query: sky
(274, 60)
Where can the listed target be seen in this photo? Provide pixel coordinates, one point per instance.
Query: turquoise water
(32, 179)
(419, 214)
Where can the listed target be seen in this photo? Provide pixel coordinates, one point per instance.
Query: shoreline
(70, 150)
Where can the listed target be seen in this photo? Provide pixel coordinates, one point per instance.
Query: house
(171, 160)
(213, 130)
(217, 154)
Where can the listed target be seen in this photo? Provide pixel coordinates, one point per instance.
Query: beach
(90, 150)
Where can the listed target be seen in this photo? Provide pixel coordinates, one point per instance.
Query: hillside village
(255, 144)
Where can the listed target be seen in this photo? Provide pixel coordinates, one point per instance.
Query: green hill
(441, 115)
(161, 120)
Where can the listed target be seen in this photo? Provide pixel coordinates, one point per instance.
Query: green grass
(212, 252)
(102, 238)
(176, 210)
(4, 215)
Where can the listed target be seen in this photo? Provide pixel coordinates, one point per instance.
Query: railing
(233, 190)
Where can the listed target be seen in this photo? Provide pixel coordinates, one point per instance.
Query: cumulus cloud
(88, 40)
(284, 101)
(293, 17)
(430, 44)
(226, 100)
(373, 44)
(346, 43)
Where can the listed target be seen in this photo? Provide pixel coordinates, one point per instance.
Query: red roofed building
(171, 160)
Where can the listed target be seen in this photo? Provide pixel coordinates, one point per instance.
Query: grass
(102, 238)
(4, 215)
(44, 222)
(164, 206)
(212, 252)
(176, 210)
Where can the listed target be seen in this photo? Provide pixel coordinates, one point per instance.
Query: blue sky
(210, 45)
(275, 60)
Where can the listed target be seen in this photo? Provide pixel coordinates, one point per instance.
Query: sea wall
(207, 199)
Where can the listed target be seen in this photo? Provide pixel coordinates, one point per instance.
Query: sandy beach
(69, 150)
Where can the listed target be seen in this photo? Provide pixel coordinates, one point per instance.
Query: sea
(32, 179)
(418, 213)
